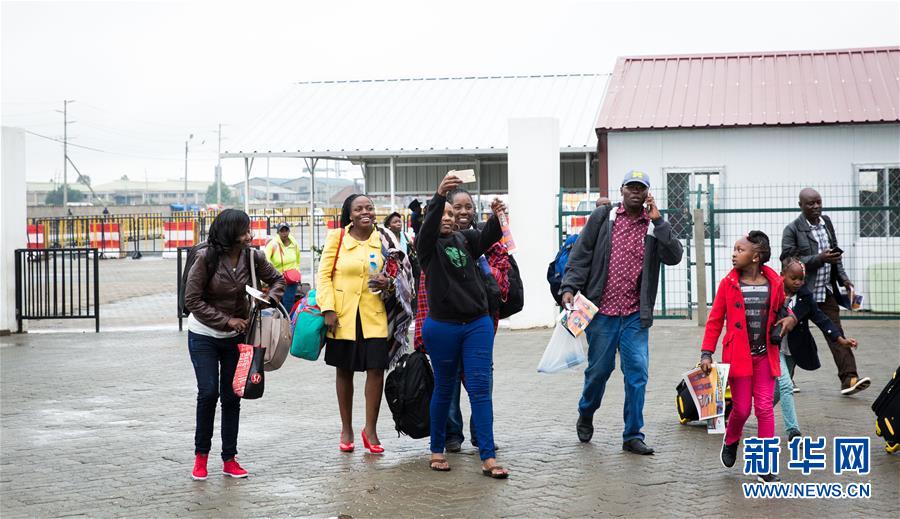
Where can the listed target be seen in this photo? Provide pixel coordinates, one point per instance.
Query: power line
(62, 141)
(148, 157)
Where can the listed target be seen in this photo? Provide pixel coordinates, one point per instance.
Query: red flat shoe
(374, 449)
(346, 447)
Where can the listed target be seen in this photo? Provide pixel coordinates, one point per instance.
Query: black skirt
(359, 355)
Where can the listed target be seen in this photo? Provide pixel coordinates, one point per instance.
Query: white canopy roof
(426, 116)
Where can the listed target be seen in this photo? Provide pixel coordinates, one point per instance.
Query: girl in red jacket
(747, 301)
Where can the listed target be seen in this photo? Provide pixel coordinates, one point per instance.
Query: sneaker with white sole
(199, 473)
(728, 456)
(856, 385)
(234, 470)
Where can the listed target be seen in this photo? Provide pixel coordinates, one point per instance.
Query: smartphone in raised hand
(466, 175)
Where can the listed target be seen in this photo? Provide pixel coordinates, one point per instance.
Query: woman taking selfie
(458, 329)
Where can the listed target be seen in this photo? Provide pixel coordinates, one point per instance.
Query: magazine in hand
(708, 392)
(576, 320)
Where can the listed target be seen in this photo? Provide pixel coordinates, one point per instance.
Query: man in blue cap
(615, 263)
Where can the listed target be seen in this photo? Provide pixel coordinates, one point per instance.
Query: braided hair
(224, 233)
(760, 243)
(787, 262)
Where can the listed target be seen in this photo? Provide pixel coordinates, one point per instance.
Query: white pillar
(393, 181)
(12, 221)
(587, 176)
(311, 165)
(533, 184)
(246, 185)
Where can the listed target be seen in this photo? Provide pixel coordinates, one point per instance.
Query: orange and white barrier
(260, 231)
(178, 234)
(107, 238)
(36, 236)
(576, 223)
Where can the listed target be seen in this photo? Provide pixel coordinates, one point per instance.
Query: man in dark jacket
(811, 237)
(615, 263)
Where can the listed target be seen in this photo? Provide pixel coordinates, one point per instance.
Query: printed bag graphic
(249, 377)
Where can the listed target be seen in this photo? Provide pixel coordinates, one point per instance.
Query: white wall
(12, 220)
(786, 156)
(533, 185)
(803, 154)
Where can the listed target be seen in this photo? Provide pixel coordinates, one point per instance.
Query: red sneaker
(199, 473)
(234, 470)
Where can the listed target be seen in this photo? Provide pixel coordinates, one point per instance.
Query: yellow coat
(349, 290)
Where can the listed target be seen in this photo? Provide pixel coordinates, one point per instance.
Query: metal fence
(866, 221)
(57, 284)
(141, 234)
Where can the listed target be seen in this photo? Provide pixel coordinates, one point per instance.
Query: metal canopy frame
(311, 159)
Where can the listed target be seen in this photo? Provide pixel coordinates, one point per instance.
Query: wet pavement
(101, 425)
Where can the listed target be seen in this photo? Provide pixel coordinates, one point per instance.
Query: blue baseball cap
(636, 176)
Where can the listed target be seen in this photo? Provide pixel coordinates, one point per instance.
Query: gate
(57, 284)
(867, 230)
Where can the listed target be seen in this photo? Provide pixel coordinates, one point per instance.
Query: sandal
(434, 465)
(491, 472)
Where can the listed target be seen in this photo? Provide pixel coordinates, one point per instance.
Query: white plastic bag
(563, 351)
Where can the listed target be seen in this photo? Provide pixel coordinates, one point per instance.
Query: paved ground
(102, 425)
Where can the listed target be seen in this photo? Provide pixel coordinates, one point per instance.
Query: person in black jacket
(458, 328)
(415, 215)
(798, 348)
(811, 237)
(616, 263)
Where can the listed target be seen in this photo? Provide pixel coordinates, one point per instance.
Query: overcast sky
(145, 75)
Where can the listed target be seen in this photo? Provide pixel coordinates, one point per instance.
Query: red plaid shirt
(421, 312)
(622, 293)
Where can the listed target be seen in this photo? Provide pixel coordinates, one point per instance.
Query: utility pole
(191, 136)
(219, 170)
(66, 124)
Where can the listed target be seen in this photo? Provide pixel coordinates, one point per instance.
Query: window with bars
(682, 188)
(879, 186)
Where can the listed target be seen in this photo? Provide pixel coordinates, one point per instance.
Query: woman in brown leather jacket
(219, 312)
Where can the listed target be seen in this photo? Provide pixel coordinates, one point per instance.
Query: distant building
(127, 192)
(329, 191)
(36, 192)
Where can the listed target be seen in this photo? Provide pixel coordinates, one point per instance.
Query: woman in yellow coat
(349, 296)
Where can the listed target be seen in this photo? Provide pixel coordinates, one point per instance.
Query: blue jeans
(784, 390)
(471, 344)
(207, 355)
(455, 419)
(290, 294)
(605, 335)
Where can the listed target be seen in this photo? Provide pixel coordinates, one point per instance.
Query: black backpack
(515, 298)
(188, 263)
(408, 391)
(887, 413)
(491, 290)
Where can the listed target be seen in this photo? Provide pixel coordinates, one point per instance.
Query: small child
(747, 301)
(798, 347)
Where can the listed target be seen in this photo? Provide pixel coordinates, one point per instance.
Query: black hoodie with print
(456, 293)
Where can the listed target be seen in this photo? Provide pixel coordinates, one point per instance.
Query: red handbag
(291, 276)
